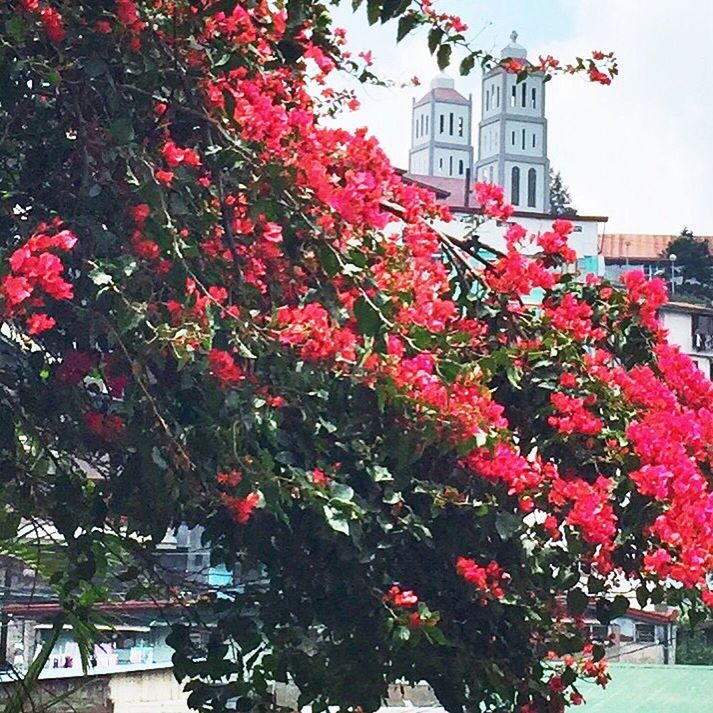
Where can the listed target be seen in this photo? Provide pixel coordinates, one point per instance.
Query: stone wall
(152, 690)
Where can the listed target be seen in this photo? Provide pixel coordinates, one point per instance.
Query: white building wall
(447, 162)
(489, 140)
(520, 137)
(679, 329)
(514, 93)
(421, 125)
(521, 201)
(460, 133)
(418, 162)
(584, 239)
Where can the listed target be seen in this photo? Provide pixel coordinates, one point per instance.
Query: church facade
(512, 151)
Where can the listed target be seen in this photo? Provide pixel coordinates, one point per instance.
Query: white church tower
(512, 134)
(441, 132)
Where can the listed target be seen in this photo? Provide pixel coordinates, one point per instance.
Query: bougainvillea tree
(218, 311)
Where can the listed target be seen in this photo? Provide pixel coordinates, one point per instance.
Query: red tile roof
(640, 247)
(443, 94)
(450, 191)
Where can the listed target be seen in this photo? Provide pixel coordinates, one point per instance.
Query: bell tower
(441, 132)
(512, 134)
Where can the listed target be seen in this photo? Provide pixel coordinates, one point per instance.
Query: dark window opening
(645, 633)
(515, 186)
(531, 188)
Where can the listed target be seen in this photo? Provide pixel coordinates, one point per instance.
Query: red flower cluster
(401, 598)
(574, 417)
(488, 581)
(241, 508)
(36, 273)
(109, 427)
(224, 369)
(50, 18)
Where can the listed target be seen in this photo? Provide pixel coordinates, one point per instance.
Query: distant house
(638, 637)
(623, 252)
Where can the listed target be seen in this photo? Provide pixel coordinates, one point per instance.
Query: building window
(533, 98)
(702, 333)
(426, 123)
(645, 633)
(497, 96)
(490, 171)
(524, 94)
(534, 140)
(440, 163)
(487, 100)
(598, 633)
(523, 139)
(460, 167)
(443, 123)
(460, 126)
(450, 165)
(450, 124)
(531, 188)
(513, 96)
(513, 138)
(515, 186)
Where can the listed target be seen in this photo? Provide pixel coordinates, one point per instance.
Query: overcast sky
(639, 151)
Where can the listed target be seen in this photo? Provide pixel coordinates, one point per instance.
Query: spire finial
(513, 35)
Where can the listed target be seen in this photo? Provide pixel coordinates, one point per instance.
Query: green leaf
(467, 65)
(122, 130)
(619, 606)
(373, 11)
(99, 277)
(95, 67)
(368, 318)
(577, 602)
(444, 56)
(15, 28)
(381, 474)
(336, 520)
(434, 39)
(342, 493)
(389, 9)
(406, 24)
(506, 525)
(328, 260)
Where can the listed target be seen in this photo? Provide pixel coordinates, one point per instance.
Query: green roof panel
(642, 688)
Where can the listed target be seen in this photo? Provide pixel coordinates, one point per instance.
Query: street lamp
(672, 258)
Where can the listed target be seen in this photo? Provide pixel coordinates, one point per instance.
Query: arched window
(531, 188)
(515, 186)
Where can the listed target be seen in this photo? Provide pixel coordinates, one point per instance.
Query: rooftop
(640, 247)
(634, 688)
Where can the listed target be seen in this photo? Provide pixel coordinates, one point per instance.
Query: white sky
(639, 151)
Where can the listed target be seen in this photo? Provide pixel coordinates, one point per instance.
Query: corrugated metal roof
(634, 688)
